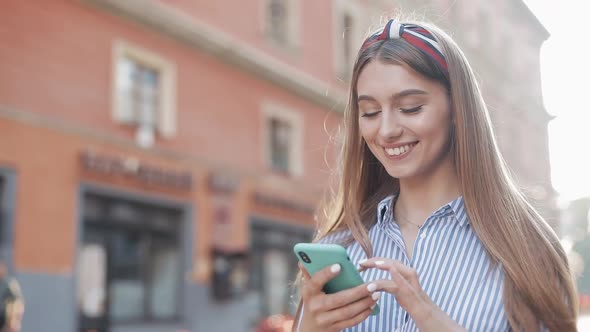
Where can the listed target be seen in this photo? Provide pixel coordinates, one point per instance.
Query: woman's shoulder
(344, 234)
(336, 237)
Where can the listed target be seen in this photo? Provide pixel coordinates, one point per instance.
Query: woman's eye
(370, 114)
(411, 110)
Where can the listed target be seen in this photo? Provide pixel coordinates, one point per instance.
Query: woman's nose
(390, 127)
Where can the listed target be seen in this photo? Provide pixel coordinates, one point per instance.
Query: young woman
(426, 207)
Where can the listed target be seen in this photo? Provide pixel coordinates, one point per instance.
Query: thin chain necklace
(405, 220)
(409, 222)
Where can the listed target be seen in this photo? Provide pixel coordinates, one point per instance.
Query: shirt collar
(458, 207)
(383, 210)
(455, 207)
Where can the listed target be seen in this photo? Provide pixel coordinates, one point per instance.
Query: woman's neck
(421, 196)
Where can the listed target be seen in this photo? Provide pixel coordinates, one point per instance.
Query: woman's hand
(405, 287)
(334, 312)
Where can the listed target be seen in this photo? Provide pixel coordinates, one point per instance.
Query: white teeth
(398, 151)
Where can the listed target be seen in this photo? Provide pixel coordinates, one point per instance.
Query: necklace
(404, 219)
(399, 216)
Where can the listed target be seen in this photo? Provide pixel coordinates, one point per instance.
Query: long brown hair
(538, 284)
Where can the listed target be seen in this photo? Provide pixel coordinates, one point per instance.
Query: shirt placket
(394, 233)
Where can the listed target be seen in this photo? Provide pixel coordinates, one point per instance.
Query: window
(347, 29)
(280, 144)
(277, 278)
(144, 93)
(129, 262)
(283, 139)
(92, 284)
(281, 22)
(2, 185)
(278, 20)
(274, 266)
(7, 204)
(347, 43)
(2, 212)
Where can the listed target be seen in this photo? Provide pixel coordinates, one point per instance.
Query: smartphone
(316, 256)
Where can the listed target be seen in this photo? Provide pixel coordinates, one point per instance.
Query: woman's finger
(403, 289)
(408, 273)
(392, 266)
(352, 309)
(314, 284)
(342, 298)
(306, 274)
(411, 298)
(389, 286)
(352, 321)
(403, 284)
(400, 287)
(375, 262)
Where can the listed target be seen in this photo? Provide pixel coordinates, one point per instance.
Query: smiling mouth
(401, 150)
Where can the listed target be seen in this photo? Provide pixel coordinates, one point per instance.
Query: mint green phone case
(316, 256)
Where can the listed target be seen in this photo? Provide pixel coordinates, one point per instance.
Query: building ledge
(174, 23)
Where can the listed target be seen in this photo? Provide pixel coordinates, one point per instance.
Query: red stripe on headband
(420, 41)
(422, 31)
(426, 48)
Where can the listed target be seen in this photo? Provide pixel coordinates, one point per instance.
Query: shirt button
(423, 236)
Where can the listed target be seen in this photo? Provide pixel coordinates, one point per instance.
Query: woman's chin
(399, 174)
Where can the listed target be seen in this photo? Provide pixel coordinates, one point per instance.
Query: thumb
(306, 274)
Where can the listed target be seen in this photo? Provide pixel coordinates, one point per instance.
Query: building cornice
(526, 11)
(167, 20)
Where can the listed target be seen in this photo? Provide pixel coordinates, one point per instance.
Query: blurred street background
(160, 158)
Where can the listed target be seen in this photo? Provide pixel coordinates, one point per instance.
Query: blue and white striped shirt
(452, 265)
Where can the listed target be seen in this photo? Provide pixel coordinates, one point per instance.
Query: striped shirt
(453, 269)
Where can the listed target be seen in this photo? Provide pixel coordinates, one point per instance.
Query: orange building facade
(159, 159)
(123, 223)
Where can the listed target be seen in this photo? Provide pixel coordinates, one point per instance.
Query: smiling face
(404, 118)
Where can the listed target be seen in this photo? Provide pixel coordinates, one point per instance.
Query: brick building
(158, 159)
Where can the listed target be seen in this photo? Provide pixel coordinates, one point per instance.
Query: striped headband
(413, 34)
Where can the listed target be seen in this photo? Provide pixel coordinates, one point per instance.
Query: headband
(414, 34)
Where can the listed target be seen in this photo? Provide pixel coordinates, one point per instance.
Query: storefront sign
(136, 170)
(276, 202)
(222, 183)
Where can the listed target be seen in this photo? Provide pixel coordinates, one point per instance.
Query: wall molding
(181, 27)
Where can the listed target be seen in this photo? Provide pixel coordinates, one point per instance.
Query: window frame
(166, 115)
(282, 113)
(356, 11)
(293, 34)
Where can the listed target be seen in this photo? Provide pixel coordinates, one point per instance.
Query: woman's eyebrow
(408, 92)
(364, 97)
(401, 94)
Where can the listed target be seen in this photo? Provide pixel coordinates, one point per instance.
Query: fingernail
(373, 306)
(379, 262)
(371, 287)
(362, 261)
(376, 296)
(335, 268)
